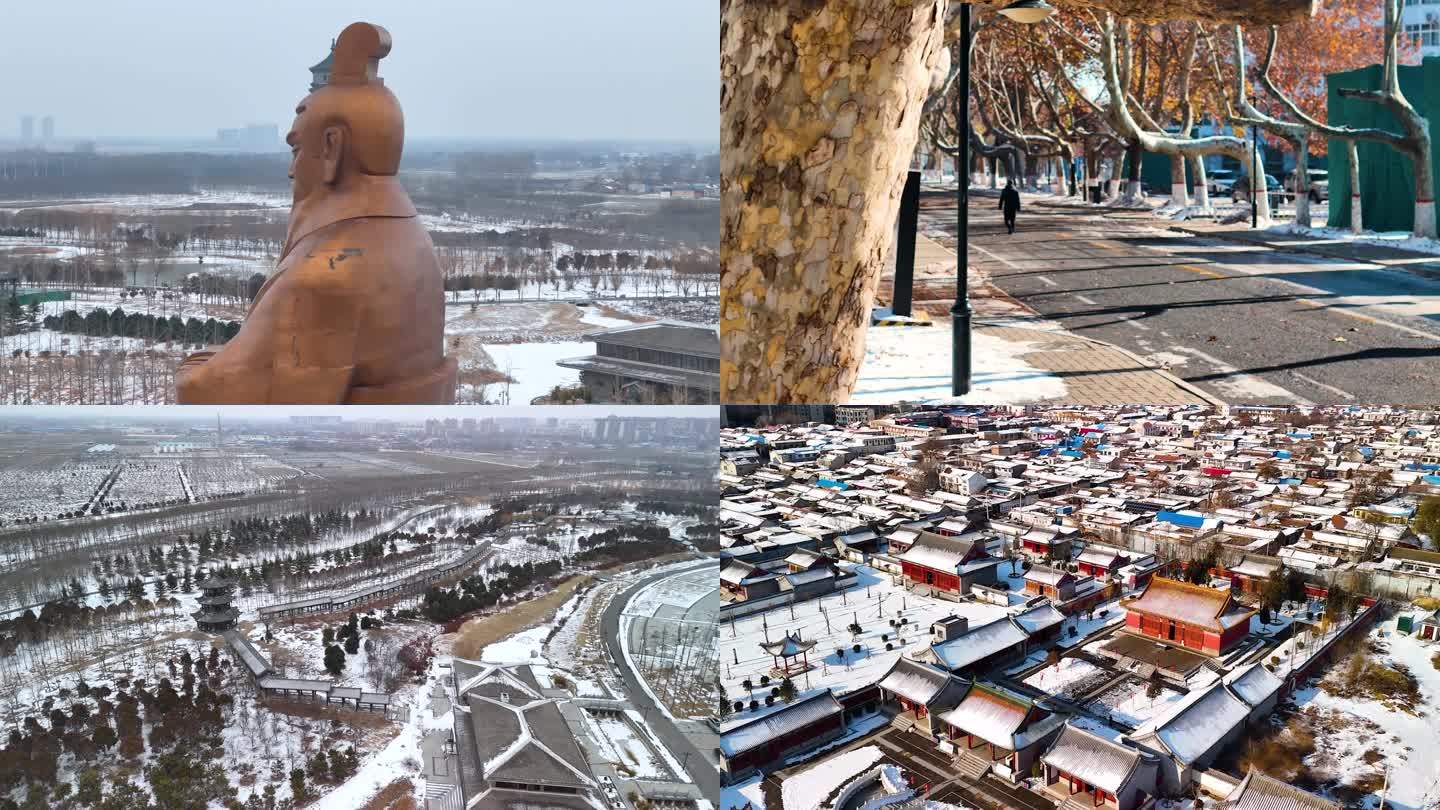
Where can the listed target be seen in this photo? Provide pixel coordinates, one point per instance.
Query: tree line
(119, 323)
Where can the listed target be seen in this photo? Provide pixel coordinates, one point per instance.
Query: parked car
(1240, 191)
(1319, 185)
(1220, 181)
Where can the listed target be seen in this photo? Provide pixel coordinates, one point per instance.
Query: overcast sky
(566, 69)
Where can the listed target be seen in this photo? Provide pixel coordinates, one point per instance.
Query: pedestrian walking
(1010, 204)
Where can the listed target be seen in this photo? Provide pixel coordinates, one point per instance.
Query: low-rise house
(1196, 617)
(969, 651)
(1248, 575)
(1100, 561)
(1056, 583)
(917, 692)
(948, 565)
(1082, 766)
(766, 742)
(1012, 730)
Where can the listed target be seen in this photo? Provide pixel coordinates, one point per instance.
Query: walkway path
(700, 764)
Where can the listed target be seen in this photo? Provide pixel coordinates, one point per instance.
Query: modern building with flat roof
(661, 363)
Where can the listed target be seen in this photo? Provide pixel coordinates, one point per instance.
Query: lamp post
(1021, 11)
(1257, 178)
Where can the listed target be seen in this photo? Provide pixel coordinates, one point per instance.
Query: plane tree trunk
(819, 116)
(1151, 141)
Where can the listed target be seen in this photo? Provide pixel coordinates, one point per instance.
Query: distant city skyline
(497, 69)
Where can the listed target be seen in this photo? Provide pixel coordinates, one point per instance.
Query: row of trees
(118, 323)
(1094, 84)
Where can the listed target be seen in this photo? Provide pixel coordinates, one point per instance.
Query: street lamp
(1021, 11)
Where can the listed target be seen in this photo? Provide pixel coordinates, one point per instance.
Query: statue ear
(332, 147)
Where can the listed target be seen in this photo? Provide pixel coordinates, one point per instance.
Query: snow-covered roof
(1045, 575)
(1104, 764)
(980, 642)
(990, 714)
(999, 717)
(1251, 567)
(794, 717)
(1178, 601)
(1254, 683)
(1197, 722)
(938, 552)
(789, 645)
(1039, 618)
(1099, 556)
(920, 682)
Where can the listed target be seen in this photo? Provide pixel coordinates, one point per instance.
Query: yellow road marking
(1202, 271)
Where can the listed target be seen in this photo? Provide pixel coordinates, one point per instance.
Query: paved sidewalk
(1092, 372)
(1409, 261)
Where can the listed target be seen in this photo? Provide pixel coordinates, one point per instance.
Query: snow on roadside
(912, 363)
(1401, 240)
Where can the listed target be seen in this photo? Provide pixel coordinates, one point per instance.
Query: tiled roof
(1182, 602)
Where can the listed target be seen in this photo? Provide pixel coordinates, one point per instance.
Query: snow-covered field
(874, 601)
(912, 363)
(1128, 703)
(1357, 729)
(532, 367)
(1069, 678)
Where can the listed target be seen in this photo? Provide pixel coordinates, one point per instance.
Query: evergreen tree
(334, 660)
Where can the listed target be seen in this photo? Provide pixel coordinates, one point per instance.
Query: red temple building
(948, 564)
(1195, 617)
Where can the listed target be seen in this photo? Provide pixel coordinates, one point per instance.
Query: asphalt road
(1246, 324)
(700, 764)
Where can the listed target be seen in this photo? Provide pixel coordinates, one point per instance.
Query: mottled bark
(819, 114)
(1238, 148)
(1202, 182)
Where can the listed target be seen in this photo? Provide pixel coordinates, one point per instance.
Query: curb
(1209, 398)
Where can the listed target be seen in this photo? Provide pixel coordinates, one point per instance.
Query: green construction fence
(1387, 179)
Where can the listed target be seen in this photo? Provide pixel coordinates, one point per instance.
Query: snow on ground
(913, 363)
(527, 646)
(738, 795)
(1407, 742)
(532, 366)
(617, 741)
(808, 789)
(1085, 628)
(1401, 240)
(872, 602)
(1128, 703)
(397, 760)
(1068, 678)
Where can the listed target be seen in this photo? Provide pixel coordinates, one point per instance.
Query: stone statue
(355, 311)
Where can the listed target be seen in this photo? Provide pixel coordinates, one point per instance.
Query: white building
(1421, 23)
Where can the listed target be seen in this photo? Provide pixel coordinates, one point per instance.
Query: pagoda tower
(216, 614)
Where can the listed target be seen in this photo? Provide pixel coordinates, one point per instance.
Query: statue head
(353, 124)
